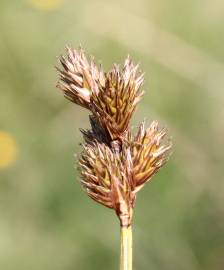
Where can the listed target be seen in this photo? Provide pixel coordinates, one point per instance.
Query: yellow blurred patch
(8, 149)
(47, 4)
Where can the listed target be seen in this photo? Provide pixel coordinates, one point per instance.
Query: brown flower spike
(114, 164)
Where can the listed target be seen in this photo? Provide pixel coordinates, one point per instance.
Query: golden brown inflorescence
(114, 164)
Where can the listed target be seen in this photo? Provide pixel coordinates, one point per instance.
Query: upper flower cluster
(114, 163)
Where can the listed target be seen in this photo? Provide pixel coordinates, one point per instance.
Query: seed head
(114, 164)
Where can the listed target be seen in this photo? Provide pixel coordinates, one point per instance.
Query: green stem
(126, 248)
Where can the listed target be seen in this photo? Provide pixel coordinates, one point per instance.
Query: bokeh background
(46, 221)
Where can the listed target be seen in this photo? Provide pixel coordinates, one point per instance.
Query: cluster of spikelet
(114, 164)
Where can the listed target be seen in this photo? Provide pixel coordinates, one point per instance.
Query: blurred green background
(46, 220)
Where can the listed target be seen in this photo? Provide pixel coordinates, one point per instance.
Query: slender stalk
(126, 248)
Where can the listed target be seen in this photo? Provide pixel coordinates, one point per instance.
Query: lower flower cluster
(113, 177)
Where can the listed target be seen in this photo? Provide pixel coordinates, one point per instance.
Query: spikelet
(148, 151)
(78, 77)
(107, 179)
(116, 101)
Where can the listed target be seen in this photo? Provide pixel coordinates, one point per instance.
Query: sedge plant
(114, 164)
